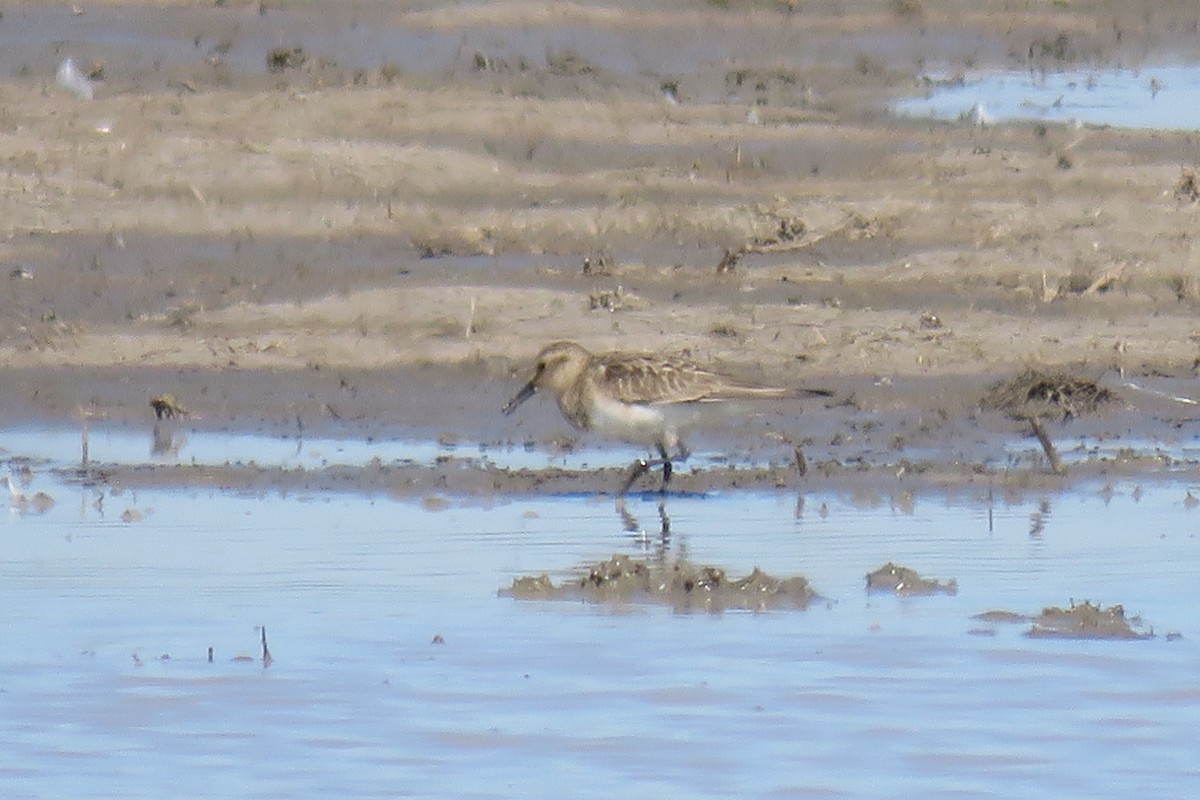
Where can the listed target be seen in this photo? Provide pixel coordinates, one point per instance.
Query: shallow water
(178, 443)
(866, 696)
(1160, 98)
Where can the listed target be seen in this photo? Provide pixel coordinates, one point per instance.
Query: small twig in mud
(801, 462)
(470, 319)
(1039, 431)
(266, 656)
(1049, 293)
(729, 261)
(83, 438)
(1165, 395)
(1105, 280)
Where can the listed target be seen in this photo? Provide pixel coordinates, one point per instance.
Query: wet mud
(1078, 621)
(470, 479)
(1087, 621)
(298, 219)
(905, 582)
(681, 585)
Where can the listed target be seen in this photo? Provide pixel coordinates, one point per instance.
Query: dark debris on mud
(1078, 621)
(906, 582)
(682, 585)
(1035, 394)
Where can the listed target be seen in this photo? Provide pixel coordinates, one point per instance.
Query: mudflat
(364, 220)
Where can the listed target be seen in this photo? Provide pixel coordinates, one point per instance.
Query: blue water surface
(106, 689)
(1160, 98)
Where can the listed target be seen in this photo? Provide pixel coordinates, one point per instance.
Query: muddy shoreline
(999, 466)
(371, 241)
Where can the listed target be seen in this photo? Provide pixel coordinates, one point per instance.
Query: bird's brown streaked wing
(647, 379)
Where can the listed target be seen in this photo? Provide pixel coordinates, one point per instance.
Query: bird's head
(557, 367)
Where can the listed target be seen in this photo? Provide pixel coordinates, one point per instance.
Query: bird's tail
(750, 391)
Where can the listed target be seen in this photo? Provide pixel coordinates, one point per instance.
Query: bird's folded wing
(646, 379)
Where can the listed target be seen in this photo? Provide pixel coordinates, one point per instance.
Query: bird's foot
(639, 468)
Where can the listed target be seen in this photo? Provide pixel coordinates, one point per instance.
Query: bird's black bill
(523, 395)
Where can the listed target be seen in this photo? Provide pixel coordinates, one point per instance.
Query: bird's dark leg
(666, 465)
(642, 466)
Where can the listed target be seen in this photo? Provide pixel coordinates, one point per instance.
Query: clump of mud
(682, 585)
(1086, 621)
(906, 582)
(1034, 394)
(1083, 621)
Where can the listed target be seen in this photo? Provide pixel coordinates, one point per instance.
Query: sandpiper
(626, 395)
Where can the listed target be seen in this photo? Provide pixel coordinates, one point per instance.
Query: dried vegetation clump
(1187, 189)
(1035, 393)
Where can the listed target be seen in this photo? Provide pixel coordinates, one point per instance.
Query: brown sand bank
(363, 220)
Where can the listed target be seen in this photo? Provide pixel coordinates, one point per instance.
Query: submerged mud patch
(1083, 621)
(682, 585)
(1087, 621)
(906, 582)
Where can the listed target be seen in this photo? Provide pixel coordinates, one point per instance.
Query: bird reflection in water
(643, 537)
(166, 441)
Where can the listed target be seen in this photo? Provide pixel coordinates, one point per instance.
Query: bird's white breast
(634, 423)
